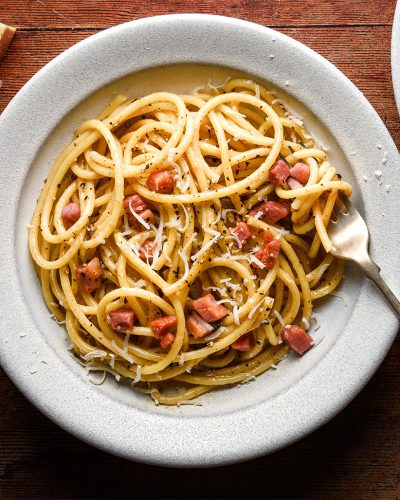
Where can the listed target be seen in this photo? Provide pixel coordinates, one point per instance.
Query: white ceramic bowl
(281, 406)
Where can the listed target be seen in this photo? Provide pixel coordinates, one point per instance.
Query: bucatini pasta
(182, 238)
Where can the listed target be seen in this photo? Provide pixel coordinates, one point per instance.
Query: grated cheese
(121, 352)
(158, 238)
(225, 280)
(187, 220)
(254, 309)
(138, 375)
(316, 317)
(279, 318)
(140, 283)
(248, 380)
(208, 245)
(215, 334)
(126, 222)
(126, 341)
(215, 289)
(254, 259)
(94, 354)
(140, 219)
(183, 256)
(99, 381)
(170, 157)
(258, 215)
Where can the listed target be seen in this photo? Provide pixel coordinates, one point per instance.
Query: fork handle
(372, 272)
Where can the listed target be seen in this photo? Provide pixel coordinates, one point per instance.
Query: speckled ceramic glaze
(396, 55)
(281, 406)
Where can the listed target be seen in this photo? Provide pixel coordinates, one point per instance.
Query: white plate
(281, 406)
(396, 55)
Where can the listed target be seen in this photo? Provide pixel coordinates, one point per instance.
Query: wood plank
(368, 67)
(6, 35)
(103, 13)
(354, 456)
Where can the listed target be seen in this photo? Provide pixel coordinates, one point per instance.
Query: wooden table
(357, 454)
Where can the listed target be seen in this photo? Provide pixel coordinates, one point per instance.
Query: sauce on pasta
(182, 238)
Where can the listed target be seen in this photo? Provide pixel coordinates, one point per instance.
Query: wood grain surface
(357, 454)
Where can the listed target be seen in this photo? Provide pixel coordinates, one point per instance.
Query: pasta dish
(182, 239)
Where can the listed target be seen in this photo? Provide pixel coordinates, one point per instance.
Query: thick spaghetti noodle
(180, 237)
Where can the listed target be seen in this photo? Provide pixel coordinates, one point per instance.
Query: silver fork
(349, 237)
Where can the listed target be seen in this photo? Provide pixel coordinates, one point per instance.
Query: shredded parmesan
(121, 352)
(248, 380)
(138, 375)
(98, 381)
(140, 219)
(126, 342)
(140, 283)
(254, 259)
(221, 291)
(183, 256)
(258, 215)
(279, 318)
(215, 334)
(208, 245)
(187, 220)
(94, 354)
(170, 157)
(317, 319)
(254, 309)
(235, 310)
(112, 360)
